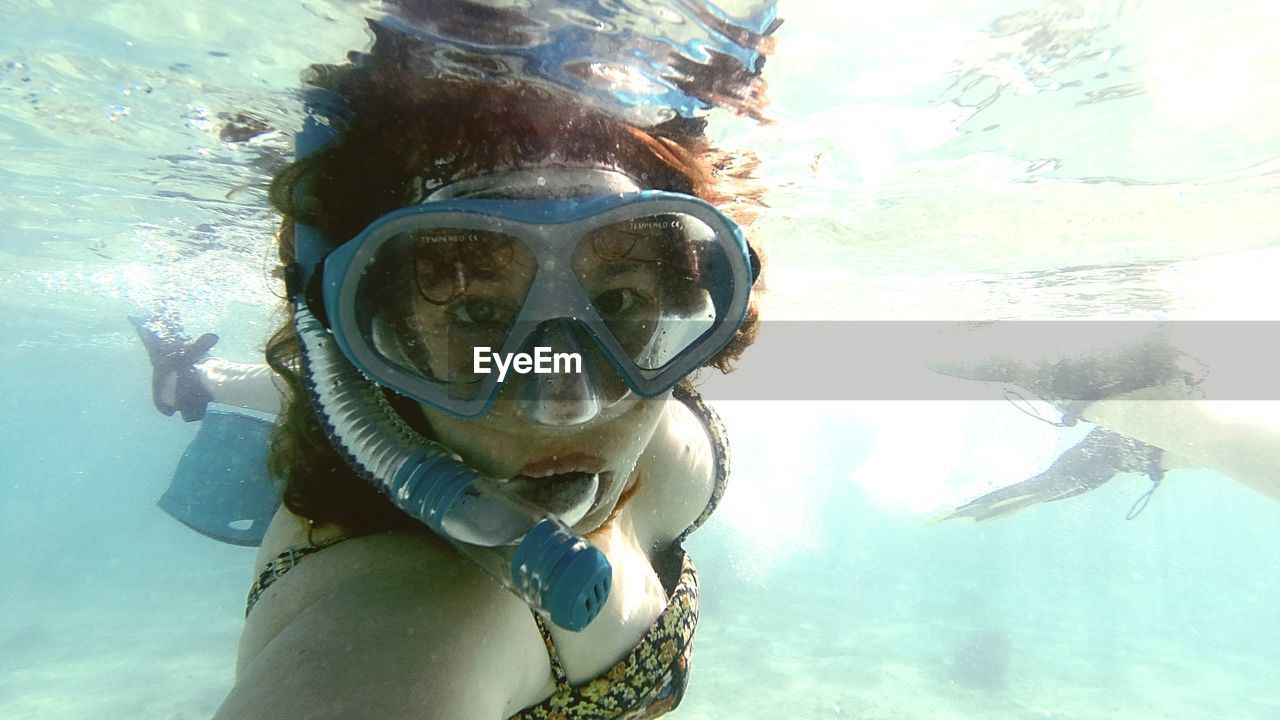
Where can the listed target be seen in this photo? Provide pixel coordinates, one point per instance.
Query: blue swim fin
(221, 488)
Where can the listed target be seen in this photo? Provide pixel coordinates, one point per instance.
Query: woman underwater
(428, 221)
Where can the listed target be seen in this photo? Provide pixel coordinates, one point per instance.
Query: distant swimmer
(1147, 397)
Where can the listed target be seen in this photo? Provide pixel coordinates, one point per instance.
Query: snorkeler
(1143, 393)
(429, 222)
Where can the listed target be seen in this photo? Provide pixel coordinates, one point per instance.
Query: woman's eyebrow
(612, 268)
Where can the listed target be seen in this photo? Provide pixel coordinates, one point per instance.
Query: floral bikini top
(647, 683)
(651, 680)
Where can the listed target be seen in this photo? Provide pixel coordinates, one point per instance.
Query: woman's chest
(636, 599)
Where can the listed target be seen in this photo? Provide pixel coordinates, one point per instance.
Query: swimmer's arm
(247, 385)
(390, 644)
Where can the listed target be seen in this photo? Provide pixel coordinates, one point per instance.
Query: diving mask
(447, 301)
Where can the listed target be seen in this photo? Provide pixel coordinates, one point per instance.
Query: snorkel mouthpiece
(552, 568)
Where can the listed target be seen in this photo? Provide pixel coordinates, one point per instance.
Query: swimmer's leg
(1240, 439)
(1090, 463)
(254, 386)
(1077, 368)
(186, 379)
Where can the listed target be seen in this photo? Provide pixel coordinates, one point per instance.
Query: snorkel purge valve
(552, 568)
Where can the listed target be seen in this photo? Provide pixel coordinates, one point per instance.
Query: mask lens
(431, 296)
(659, 283)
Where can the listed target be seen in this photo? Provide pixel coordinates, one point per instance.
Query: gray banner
(1058, 361)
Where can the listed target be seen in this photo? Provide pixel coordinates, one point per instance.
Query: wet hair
(410, 135)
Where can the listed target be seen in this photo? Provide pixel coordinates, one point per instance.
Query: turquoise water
(1000, 160)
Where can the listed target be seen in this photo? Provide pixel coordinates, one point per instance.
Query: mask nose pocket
(579, 382)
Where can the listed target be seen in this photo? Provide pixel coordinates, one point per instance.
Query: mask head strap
(327, 113)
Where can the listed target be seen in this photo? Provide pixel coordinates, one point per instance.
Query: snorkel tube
(551, 568)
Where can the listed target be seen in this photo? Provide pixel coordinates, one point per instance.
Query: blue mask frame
(546, 227)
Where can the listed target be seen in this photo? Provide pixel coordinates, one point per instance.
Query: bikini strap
(685, 393)
(283, 563)
(274, 570)
(557, 670)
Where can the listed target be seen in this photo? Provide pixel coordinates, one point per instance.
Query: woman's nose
(573, 392)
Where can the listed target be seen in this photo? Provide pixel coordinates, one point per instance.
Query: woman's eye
(476, 311)
(617, 301)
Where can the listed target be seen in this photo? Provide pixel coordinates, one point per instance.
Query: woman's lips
(569, 495)
(561, 462)
(566, 483)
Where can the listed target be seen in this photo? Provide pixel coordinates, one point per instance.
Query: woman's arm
(387, 626)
